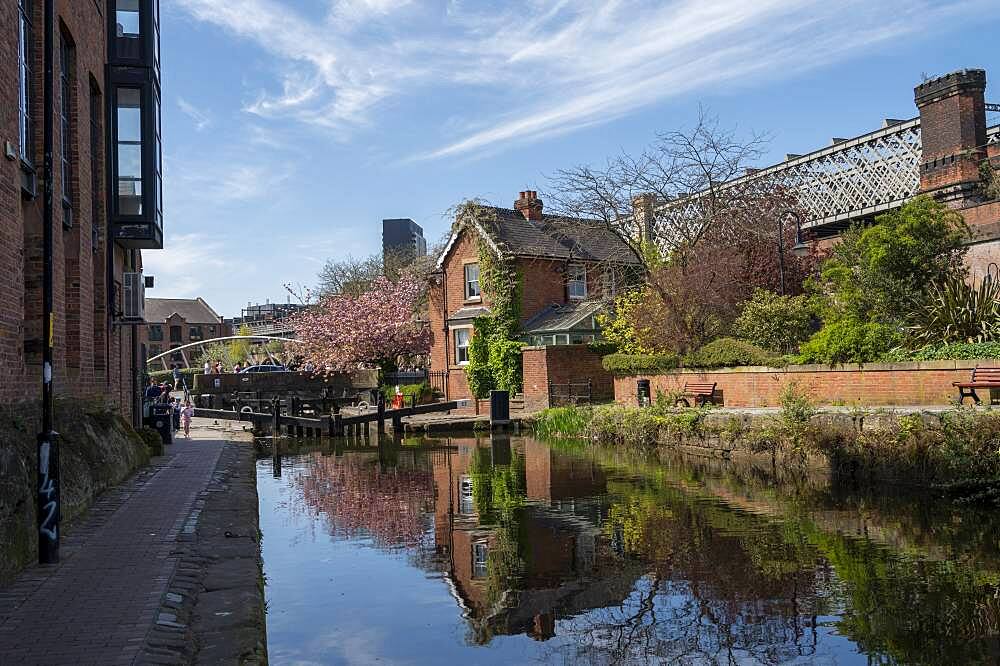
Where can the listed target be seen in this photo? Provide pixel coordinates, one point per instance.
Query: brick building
(174, 322)
(567, 268)
(105, 191)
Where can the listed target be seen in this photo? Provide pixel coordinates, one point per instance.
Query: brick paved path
(98, 605)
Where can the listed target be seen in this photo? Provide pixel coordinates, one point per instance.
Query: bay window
(462, 337)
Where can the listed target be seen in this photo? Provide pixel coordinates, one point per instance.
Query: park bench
(702, 393)
(987, 378)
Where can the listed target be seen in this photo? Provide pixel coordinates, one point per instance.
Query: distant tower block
(402, 236)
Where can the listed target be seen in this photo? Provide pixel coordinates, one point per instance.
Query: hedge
(731, 353)
(960, 351)
(640, 364)
(161, 375)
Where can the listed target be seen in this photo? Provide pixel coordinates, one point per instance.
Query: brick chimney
(529, 205)
(644, 214)
(953, 135)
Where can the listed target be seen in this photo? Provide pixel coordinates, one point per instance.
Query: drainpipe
(47, 510)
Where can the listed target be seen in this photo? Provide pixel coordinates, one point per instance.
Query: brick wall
(82, 364)
(562, 364)
(925, 383)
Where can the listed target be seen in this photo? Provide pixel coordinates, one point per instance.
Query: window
(154, 350)
(480, 555)
(24, 45)
(129, 151)
(66, 57)
(176, 356)
(471, 281)
(462, 345)
(96, 166)
(609, 287)
(577, 282)
(155, 332)
(127, 18)
(175, 334)
(465, 503)
(195, 333)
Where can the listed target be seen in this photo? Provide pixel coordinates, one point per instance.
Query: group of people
(181, 413)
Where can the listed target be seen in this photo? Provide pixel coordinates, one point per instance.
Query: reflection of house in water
(517, 571)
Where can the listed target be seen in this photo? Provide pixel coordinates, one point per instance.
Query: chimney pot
(529, 205)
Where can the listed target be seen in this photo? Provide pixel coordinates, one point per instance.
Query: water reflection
(596, 556)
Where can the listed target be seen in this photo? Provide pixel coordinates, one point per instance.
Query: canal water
(500, 550)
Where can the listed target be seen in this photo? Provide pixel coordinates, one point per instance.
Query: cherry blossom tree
(371, 329)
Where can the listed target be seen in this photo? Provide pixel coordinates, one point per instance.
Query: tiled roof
(192, 310)
(556, 237)
(468, 312)
(562, 317)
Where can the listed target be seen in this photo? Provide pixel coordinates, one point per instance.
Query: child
(186, 415)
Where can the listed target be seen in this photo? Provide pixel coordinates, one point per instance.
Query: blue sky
(292, 128)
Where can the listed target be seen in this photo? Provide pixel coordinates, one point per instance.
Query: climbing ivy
(494, 351)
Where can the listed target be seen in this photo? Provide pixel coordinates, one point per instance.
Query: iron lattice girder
(852, 179)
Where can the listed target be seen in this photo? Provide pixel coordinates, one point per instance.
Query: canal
(509, 550)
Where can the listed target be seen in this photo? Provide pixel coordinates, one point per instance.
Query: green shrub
(730, 353)
(640, 364)
(477, 372)
(960, 351)
(505, 364)
(167, 375)
(848, 340)
(958, 312)
(773, 322)
(604, 347)
(562, 421)
(418, 393)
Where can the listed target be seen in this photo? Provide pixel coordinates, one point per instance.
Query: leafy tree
(619, 325)
(777, 323)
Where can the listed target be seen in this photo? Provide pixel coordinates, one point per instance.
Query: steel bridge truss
(849, 180)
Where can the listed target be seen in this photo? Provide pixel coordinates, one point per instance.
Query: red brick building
(106, 194)
(567, 268)
(175, 322)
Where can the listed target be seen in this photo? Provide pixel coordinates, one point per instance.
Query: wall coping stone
(967, 364)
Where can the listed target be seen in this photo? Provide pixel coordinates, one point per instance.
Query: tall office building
(403, 236)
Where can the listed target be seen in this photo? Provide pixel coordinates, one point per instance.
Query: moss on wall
(98, 449)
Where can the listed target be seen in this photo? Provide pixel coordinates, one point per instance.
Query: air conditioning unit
(133, 297)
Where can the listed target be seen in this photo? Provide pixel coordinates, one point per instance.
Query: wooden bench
(987, 378)
(702, 393)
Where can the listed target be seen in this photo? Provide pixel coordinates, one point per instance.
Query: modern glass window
(465, 503)
(471, 281)
(480, 557)
(577, 282)
(96, 166)
(129, 151)
(66, 65)
(155, 332)
(24, 45)
(462, 336)
(127, 18)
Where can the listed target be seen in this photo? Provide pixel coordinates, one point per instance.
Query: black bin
(499, 406)
(642, 392)
(161, 420)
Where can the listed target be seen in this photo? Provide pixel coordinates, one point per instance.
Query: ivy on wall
(494, 351)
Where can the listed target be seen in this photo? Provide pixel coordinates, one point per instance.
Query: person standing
(207, 367)
(186, 413)
(177, 374)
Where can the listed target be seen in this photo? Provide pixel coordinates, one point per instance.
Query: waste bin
(161, 421)
(642, 392)
(500, 407)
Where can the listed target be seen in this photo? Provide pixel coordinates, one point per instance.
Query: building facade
(174, 322)
(567, 270)
(403, 237)
(105, 181)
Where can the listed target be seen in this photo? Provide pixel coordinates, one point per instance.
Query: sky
(292, 128)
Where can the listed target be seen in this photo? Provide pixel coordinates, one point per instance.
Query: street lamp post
(799, 250)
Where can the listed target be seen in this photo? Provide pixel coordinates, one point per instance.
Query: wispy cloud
(182, 267)
(201, 118)
(546, 67)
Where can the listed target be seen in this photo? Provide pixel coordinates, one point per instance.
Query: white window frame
(469, 296)
(480, 563)
(466, 502)
(454, 337)
(25, 123)
(576, 276)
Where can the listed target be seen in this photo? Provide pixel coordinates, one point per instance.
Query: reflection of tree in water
(357, 498)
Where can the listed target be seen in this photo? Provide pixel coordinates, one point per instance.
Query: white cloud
(545, 67)
(183, 265)
(201, 118)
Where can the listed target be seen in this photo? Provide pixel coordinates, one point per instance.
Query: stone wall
(98, 449)
(924, 383)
